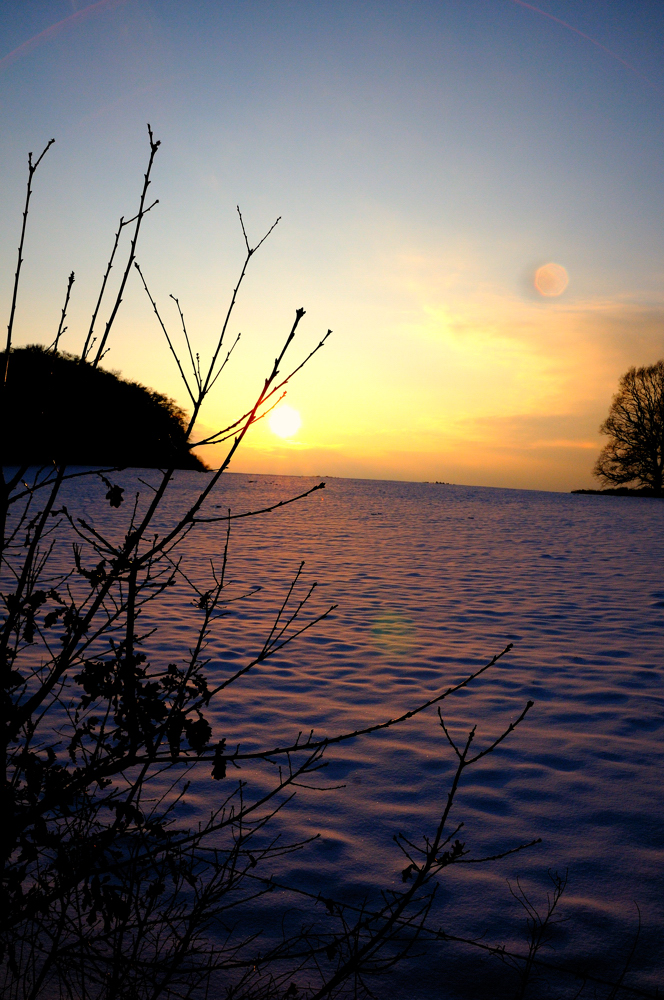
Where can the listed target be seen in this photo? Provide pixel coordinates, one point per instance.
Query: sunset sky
(426, 158)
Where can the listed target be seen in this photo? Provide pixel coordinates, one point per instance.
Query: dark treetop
(60, 409)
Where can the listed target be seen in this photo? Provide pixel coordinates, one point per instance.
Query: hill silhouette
(58, 409)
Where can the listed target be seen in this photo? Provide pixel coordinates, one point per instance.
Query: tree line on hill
(60, 409)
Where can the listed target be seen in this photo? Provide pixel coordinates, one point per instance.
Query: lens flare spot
(551, 280)
(394, 633)
(284, 421)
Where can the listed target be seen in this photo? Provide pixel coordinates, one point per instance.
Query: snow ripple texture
(431, 580)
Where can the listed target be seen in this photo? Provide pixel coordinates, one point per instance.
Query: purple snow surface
(431, 580)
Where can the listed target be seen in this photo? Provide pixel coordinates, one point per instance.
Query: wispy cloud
(54, 29)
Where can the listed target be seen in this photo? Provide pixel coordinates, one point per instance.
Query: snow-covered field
(430, 581)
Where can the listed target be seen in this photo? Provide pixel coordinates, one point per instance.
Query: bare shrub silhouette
(107, 892)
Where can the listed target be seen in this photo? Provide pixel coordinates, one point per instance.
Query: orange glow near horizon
(487, 390)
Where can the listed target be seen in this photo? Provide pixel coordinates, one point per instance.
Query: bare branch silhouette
(61, 327)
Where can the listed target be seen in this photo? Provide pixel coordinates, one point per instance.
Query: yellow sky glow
(493, 390)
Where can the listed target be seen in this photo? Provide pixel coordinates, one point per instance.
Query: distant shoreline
(623, 491)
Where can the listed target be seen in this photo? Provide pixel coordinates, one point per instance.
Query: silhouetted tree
(635, 425)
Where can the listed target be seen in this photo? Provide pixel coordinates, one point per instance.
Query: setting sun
(285, 421)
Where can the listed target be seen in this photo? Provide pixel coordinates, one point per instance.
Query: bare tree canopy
(635, 425)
